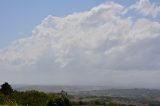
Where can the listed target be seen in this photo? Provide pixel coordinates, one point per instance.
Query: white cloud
(96, 42)
(146, 8)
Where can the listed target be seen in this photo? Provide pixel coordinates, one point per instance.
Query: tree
(66, 101)
(51, 103)
(6, 89)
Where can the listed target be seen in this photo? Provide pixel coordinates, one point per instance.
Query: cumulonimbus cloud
(99, 39)
(146, 8)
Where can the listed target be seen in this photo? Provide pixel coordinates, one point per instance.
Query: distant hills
(95, 91)
(101, 93)
(57, 88)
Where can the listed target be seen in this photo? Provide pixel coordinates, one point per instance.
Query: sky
(20, 17)
(80, 42)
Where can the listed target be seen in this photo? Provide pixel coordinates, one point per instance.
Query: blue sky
(19, 17)
(115, 40)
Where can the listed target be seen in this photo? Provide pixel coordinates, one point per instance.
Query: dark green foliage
(6, 89)
(51, 103)
(67, 102)
(59, 101)
(7, 100)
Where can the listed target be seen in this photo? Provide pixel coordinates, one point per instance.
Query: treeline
(10, 97)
